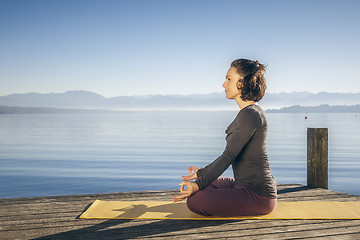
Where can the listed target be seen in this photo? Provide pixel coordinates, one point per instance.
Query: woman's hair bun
(252, 83)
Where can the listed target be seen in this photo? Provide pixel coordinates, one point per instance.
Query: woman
(252, 191)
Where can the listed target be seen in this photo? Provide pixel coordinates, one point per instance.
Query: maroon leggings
(223, 199)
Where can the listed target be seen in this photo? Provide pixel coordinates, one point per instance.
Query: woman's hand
(191, 188)
(192, 174)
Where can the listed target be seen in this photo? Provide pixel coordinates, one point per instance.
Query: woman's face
(231, 84)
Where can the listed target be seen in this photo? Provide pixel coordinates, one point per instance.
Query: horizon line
(170, 94)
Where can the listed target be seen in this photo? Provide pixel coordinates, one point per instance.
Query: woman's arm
(236, 140)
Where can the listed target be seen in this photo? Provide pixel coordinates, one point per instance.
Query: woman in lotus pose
(252, 191)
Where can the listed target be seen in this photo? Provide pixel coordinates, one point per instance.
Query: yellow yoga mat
(169, 210)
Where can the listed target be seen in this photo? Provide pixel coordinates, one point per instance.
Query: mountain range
(212, 101)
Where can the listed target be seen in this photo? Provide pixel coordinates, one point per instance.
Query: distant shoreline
(324, 108)
(292, 109)
(83, 100)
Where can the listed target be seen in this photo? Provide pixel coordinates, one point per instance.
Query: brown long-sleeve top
(246, 151)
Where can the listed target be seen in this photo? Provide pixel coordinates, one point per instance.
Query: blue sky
(134, 47)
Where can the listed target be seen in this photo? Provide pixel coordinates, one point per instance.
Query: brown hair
(252, 85)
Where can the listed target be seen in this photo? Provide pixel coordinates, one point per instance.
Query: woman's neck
(242, 104)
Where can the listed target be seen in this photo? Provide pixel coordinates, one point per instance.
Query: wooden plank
(317, 157)
(55, 218)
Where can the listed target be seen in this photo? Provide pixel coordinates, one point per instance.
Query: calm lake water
(54, 154)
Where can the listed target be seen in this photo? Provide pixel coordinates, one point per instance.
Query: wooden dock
(56, 218)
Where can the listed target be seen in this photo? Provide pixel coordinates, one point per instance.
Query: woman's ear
(239, 84)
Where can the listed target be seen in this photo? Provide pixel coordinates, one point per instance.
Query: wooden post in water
(317, 157)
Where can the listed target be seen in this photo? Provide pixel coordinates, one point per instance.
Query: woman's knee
(193, 202)
(197, 204)
(190, 203)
